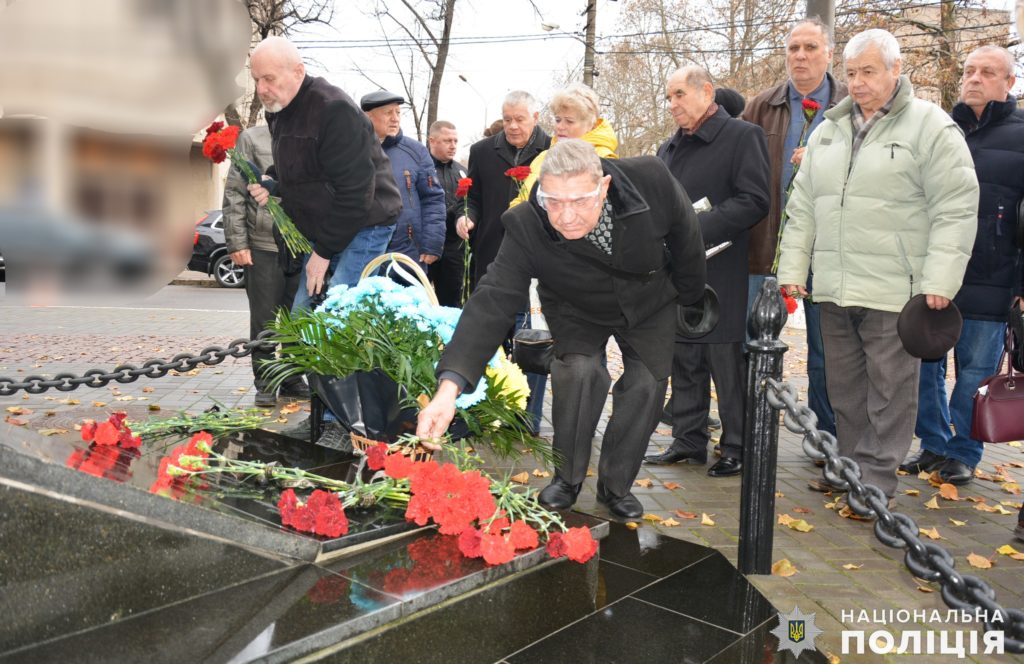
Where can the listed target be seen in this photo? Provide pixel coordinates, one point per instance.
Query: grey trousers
(268, 289)
(873, 386)
(579, 388)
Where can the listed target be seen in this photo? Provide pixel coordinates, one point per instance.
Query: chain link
(129, 373)
(926, 560)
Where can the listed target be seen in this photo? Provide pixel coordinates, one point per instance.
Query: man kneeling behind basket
(615, 246)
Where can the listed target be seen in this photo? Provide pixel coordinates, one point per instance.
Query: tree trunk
(439, 64)
(948, 66)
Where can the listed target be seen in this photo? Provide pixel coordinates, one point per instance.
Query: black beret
(732, 101)
(928, 333)
(700, 318)
(380, 98)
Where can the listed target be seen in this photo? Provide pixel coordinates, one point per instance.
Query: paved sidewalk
(49, 340)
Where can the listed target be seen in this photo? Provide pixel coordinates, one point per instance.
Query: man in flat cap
(419, 232)
(333, 177)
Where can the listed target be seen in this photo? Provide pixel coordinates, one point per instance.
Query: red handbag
(999, 407)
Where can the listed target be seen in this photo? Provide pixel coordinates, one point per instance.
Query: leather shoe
(725, 467)
(295, 389)
(956, 472)
(923, 461)
(559, 495)
(822, 485)
(265, 399)
(627, 507)
(713, 423)
(673, 455)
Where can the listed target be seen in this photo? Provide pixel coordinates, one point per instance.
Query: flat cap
(928, 333)
(379, 98)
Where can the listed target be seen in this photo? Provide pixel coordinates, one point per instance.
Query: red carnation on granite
(496, 549)
(522, 536)
(469, 543)
(375, 456)
(580, 544)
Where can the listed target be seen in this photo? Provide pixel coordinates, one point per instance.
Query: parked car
(210, 253)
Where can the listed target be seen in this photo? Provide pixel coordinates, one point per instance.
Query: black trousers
(693, 367)
(579, 388)
(268, 289)
(446, 273)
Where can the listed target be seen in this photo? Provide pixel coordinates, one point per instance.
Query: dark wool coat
(654, 230)
(333, 177)
(726, 160)
(492, 190)
(995, 272)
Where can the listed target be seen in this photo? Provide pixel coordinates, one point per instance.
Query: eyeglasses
(578, 203)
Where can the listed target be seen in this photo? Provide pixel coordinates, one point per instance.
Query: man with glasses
(615, 247)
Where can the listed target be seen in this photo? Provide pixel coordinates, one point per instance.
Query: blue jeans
(347, 266)
(975, 355)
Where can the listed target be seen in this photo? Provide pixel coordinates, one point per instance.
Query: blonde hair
(580, 99)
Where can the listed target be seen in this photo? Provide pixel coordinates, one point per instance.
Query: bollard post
(761, 431)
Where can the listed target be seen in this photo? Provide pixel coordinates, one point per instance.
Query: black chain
(129, 373)
(926, 560)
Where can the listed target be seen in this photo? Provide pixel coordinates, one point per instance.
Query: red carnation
(522, 536)
(811, 105)
(462, 190)
(106, 434)
(496, 549)
(398, 466)
(789, 300)
(287, 505)
(580, 545)
(214, 127)
(330, 518)
(88, 430)
(556, 545)
(375, 456)
(519, 173)
(469, 543)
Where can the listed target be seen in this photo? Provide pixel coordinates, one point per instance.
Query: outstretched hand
(436, 416)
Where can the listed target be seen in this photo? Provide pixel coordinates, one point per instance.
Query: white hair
(522, 98)
(880, 39)
(571, 157)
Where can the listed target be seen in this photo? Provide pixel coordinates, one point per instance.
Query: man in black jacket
(333, 178)
(615, 246)
(725, 160)
(994, 128)
(516, 145)
(446, 273)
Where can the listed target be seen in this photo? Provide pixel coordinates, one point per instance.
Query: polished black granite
(737, 605)
(627, 632)
(616, 581)
(762, 647)
(66, 567)
(644, 550)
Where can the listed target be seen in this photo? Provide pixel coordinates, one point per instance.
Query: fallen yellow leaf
(957, 523)
(949, 492)
(521, 478)
(537, 472)
(147, 390)
(645, 483)
(974, 499)
(99, 404)
(705, 519)
(784, 568)
(981, 562)
(15, 421)
(851, 566)
(925, 589)
(932, 504)
(1015, 443)
(282, 420)
(52, 432)
(779, 494)
(653, 518)
(686, 515)
(802, 510)
(1007, 550)
(1010, 503)
(924, 475)
(998, 509)
(1017, 556)
(672, 486)
(935, 480)
(632, 525)
(1012, 487)
(290, 408)
(798, 525)
(832, 659)
(590, 473)
(931, 534)
(71, 402)
(154, 407)
(669, 522)
(912, 492)
(18, 410)
(901, 473)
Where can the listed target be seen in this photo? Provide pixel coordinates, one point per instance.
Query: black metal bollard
(761, 431)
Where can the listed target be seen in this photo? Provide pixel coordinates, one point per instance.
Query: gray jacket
(246, 225)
